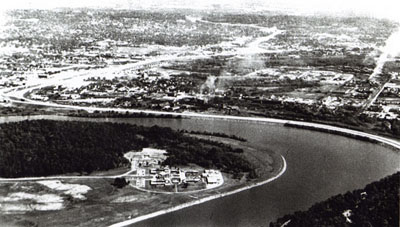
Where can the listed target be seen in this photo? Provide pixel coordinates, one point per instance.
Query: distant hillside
(45, 147)
(375, 205)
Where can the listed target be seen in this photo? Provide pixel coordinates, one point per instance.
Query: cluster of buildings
(386, 106)
(170, 85)
(148, 173)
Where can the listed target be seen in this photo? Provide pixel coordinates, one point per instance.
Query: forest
(46, 147)
(215, 134)
(375, 205)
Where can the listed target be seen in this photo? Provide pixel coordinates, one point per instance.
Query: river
(319, 165)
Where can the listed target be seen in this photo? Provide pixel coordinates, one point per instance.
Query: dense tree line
(217, 134)
(46, 147)
(211, 154)
(115, 114)
(375, 205)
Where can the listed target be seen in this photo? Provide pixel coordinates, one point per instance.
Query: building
(212, 179)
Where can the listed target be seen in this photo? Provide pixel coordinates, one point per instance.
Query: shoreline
(310, 125)
(200, 201)
(286, 123)
(351, 133)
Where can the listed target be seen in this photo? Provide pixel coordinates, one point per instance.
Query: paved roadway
(6, 180)
(390, 142)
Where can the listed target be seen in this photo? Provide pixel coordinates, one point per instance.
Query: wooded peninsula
(46, 147)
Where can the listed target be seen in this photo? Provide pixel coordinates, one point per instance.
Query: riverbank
(200, 201)
(361, 137)
(233, 183)
(293, 123)
(356, 208)
(231, 119)
(92, 111)
(288, 123)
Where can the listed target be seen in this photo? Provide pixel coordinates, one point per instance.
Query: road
(61, 177)
(390, 142)
(253, 47)
(200, 201)
(371, 100)
(16, 95)
(387, 141)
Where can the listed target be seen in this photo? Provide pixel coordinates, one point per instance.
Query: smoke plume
(209, 85)
(389, 51)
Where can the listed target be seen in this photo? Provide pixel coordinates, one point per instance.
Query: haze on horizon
(375, 8)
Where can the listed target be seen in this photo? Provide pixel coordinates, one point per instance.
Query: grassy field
(105, 204)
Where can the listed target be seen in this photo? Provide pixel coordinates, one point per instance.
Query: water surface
(319, 165)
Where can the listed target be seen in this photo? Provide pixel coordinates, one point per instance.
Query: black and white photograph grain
(199, 113)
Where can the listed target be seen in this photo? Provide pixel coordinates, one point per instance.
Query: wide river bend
(319, 165)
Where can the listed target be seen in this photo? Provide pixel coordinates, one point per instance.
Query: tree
(120, 182)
